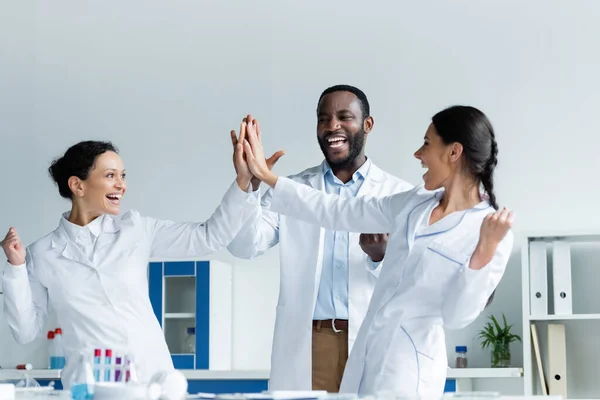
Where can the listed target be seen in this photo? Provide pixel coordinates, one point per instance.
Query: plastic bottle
(189, 345)
(59, 352)
(461, 356)
(82, 383)
(51, 350)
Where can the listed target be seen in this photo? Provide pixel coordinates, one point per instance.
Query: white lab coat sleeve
(198, 239)
(366, 214)
(25, 301)
(260, 233)
(375, 267)
(471, 289)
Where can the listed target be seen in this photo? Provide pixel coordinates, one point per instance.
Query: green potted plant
(499, 339)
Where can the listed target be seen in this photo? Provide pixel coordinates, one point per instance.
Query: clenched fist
(13, 248)
(495, 226)
(374, 245)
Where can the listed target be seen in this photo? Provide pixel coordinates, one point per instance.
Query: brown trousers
(329, 356)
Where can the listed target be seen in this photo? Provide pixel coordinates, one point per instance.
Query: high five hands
(245, 174)
(250, 153)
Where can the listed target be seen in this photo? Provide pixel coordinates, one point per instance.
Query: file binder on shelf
(557, 360)
(561, 271)
(538, 359)
(538, 279)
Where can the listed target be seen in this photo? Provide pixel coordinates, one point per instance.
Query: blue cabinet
(181, 296)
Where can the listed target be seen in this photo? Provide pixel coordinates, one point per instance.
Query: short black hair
(78, 161)
(362, 97)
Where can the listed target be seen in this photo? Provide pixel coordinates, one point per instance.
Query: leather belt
(338, 325)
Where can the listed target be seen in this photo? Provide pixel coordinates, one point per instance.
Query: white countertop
(200, 374)
(190, 374)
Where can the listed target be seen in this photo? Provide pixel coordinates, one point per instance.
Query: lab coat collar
(67, 231)
(111, 225)
(72, 230)
(446, 224)
(482, 205)
(63, 238)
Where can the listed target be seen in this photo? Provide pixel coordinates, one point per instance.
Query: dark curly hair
(78, 161)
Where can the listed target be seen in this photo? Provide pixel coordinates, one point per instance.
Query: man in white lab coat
(327, 277)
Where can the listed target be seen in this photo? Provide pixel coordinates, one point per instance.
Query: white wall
(166, 81)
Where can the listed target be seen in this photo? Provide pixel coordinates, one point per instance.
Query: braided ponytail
(487, 176)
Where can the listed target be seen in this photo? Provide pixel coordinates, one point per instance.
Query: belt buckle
(334, 328)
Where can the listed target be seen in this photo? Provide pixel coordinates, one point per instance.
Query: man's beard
(355, 148)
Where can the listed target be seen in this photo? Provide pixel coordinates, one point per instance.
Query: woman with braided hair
(447, 251)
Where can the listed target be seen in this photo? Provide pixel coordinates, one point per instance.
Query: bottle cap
(58, 331)
(461, 349)
(108, 353)
(50, 334)
(191, 331)
(97, 353)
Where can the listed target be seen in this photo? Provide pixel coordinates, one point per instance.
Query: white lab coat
(103, 302)
(301, 257)
(423, 286)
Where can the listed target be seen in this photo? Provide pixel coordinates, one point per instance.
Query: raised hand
(239, 161)
(494, 228)
(13, 248)
(255, 156)
(271, 161)
(374, 245)
(241, 166)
